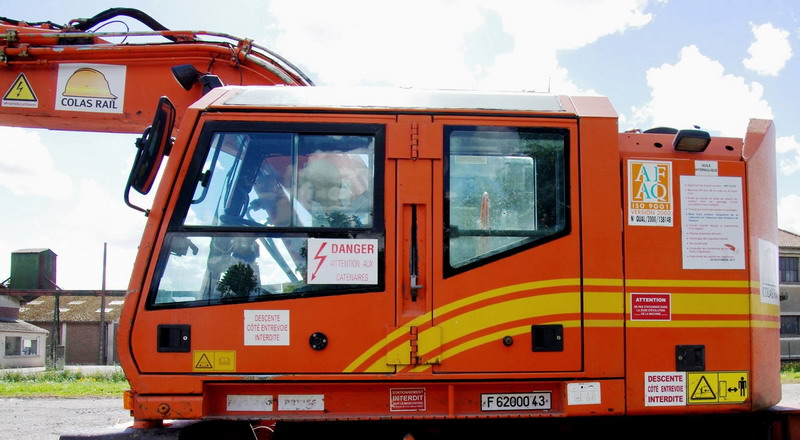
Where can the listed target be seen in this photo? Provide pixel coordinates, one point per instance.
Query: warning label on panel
(650, 193)
(407, 399)
(213, 360)
(665, 389)
(651, 307)
(266, 327)
(342, 261)
(20, 94)
(695, 388)
(718, 388)
(96, 88)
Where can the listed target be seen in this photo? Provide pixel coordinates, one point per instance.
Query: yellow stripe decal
(476, 320)
(456, 305)
(603, 302)
(594, 302)
(688, 283)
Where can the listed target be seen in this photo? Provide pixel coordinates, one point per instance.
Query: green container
(33, 269)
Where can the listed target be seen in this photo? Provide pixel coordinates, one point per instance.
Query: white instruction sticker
(768, 272)
(583, 393)
(266, 327)
(712, 222)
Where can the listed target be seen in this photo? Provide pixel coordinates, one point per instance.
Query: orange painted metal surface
(448, 345)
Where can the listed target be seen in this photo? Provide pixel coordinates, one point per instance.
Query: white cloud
(697, 91)
(789, 213)
(27, 168)
(431, 43)
(96, 217)
(788, 145)
(770, 51)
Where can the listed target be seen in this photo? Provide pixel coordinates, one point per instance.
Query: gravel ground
(46, 419)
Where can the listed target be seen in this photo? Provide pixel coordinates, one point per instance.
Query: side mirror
(154, 144)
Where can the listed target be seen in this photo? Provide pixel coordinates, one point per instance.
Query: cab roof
(386, 98)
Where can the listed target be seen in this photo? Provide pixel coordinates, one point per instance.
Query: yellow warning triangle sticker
(204, 362)
(20, 90)
(703, 390)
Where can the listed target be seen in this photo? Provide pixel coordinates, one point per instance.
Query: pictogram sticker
(203, 363)
(213, 360)
(20, 94)
(702, 390)
(718, 387)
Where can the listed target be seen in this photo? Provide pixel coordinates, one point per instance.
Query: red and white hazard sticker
(342, 261)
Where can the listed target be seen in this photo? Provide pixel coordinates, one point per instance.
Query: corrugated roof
(20, 326)
(788, 239)
(71, 309)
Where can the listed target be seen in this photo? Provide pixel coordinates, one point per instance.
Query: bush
(790, 367)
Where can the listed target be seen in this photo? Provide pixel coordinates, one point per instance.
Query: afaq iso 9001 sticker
(650, 200)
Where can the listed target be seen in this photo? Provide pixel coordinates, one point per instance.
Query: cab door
(504, 247)
(275, 256)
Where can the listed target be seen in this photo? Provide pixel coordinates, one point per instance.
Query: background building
(23, 343)
(789, 264)
(80, 328)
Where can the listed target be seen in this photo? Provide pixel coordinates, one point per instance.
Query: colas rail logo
(86, 84)
(91, 88)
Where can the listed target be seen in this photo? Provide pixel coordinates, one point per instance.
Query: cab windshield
(259, 201)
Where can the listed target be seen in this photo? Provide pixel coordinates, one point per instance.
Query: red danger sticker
(651, 307)
(407, 399)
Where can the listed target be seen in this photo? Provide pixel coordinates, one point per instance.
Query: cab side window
(505, 191)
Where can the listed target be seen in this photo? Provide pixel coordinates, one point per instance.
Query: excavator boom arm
(67, 78)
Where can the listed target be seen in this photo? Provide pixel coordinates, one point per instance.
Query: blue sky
(712, 63)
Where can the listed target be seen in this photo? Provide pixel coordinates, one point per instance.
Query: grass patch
(790, 372)
(62, 383)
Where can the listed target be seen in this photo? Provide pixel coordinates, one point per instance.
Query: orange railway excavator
(376, 261)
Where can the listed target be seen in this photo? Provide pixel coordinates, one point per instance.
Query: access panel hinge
(418, 347)
(414, 140)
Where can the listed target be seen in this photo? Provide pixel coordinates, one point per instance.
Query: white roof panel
(387, 98)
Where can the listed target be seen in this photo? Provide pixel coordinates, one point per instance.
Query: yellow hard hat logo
(88, 83)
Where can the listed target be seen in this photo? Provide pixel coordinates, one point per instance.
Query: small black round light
(318, 341)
